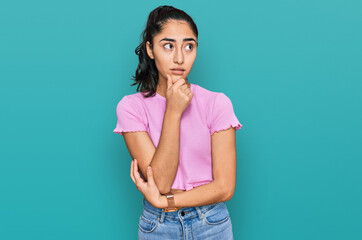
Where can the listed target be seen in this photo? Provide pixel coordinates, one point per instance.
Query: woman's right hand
(178, 95)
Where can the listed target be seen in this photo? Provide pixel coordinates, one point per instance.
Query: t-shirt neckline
(163, 98)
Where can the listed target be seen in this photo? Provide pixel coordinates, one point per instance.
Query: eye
(190, 46)
(168, 44)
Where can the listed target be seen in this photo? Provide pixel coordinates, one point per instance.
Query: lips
(178, 71)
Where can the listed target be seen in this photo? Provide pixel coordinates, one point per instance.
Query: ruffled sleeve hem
(189, 186)
(237, 126)
(120, 131)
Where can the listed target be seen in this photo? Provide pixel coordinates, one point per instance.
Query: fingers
(169, 81)
(131, 173)
(150, 175)
(179, 83)
(190, 94)
(185, 88)
(138, 180)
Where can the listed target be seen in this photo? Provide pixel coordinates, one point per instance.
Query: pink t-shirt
(208, 112)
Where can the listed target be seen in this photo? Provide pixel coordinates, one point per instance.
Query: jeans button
(182, 213)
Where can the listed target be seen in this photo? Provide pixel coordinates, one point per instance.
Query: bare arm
(166, 158)
(224, 173)
(163, 159)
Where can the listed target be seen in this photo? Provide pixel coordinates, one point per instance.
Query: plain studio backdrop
(292, 69)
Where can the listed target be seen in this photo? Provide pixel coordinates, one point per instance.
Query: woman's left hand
(148, 189)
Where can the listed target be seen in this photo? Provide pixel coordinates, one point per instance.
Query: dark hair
(146, 73)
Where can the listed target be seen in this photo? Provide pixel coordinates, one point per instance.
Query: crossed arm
(219, 190)
(224, 173)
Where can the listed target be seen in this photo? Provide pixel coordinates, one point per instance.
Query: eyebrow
(173, 40)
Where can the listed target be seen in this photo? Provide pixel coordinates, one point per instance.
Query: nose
(178, 56)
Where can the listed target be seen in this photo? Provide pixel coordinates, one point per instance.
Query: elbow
(165, 189)
(162, 184)
(228, 190)
(229, 194)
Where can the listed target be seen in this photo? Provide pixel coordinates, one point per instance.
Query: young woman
(180, 135)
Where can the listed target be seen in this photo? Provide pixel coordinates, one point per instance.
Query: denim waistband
(189, 212)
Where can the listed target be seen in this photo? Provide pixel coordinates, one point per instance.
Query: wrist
(176, 115)
(163, 202)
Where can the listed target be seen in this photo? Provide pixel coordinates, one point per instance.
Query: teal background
(293, 70)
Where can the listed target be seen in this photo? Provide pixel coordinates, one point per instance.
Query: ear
(149, 50)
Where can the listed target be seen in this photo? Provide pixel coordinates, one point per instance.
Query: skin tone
(175, 47)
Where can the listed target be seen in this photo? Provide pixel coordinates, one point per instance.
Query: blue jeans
(204, 222)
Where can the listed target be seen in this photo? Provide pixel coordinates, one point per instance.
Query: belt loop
(162, 216)
(199, 212)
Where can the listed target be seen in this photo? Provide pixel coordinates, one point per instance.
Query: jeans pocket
(217, 215)
(148, 222)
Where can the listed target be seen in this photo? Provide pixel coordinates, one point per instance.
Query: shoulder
(211, 98)
(204, 93)
(132, 103)
(133, 99)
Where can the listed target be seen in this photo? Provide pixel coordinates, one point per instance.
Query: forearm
(166, 158)
(210, 193)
